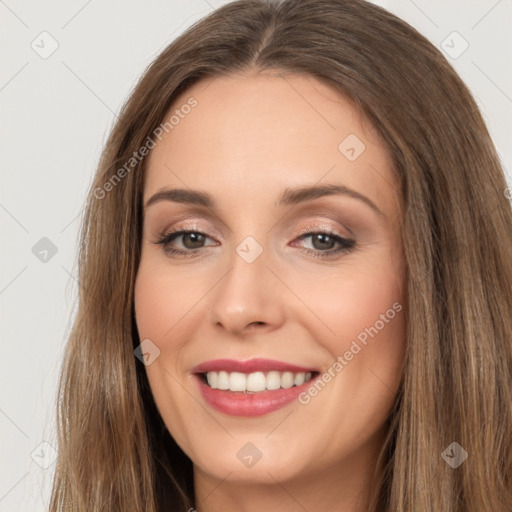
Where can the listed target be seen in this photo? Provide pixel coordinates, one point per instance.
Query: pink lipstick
(253, 387)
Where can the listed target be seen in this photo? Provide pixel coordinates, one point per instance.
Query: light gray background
(56, 113)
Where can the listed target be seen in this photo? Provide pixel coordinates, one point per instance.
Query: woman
(222, 357)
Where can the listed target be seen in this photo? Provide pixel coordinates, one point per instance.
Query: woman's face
(275, 282)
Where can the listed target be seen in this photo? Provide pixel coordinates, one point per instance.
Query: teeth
(237, 381)
(213, 379)
(287, 380)
(257, 381)
(223, 380)
(300, 378)
(273, 380)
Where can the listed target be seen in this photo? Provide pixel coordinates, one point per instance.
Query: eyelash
(347, 245)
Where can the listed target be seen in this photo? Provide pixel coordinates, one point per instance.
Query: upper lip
(249, 366)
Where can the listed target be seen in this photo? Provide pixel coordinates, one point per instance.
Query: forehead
(251, 136)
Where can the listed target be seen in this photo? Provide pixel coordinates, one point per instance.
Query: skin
(250, 137)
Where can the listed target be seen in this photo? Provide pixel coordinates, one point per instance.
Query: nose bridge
(246, 294)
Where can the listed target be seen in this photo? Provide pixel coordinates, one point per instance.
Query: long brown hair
(115, 453)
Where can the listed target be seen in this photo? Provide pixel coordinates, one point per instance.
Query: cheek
(362, 328)
(359, 319)
(163, 307)
(152, 300)
(354, 305)
(165, 302)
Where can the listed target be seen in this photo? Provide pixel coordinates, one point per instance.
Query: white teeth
(273, 380)
(257, 381)
(287, 380)
(237, 381)
(223, 380)
(213, 379)
(300, 378)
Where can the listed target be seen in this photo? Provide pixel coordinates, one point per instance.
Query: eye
(322, 240)
(193, 241)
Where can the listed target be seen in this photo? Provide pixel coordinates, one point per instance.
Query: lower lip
(237, 403)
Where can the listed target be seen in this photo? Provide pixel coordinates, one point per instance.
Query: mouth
(251, 388)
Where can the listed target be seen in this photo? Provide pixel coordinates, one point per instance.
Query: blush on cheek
(157, 308)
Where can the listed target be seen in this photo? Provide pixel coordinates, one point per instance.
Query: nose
(249, 296)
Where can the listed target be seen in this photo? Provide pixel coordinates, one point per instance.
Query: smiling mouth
(255, 382)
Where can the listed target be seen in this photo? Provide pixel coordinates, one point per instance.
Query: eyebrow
(289, 197)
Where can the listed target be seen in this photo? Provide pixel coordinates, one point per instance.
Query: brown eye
(192, 242)
(323, 243)
(195, 238)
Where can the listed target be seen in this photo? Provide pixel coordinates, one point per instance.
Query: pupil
(194, 235)
(321, 238)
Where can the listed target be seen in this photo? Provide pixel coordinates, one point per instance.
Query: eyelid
(318, 226)
(192, 221)
(307, 228)
(184, 226)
